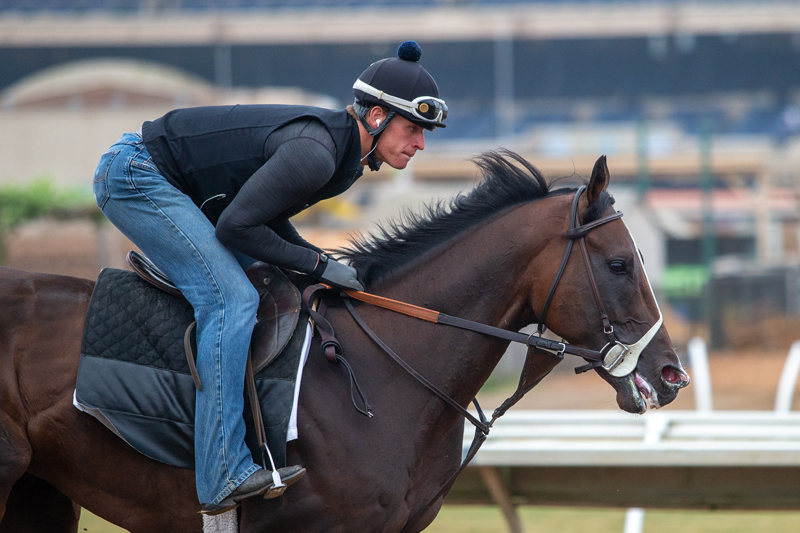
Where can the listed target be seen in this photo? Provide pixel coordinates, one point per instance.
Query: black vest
(210, 152)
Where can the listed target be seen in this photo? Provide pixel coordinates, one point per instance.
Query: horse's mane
(504, 185)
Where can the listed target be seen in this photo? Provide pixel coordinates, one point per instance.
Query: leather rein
(608, 358)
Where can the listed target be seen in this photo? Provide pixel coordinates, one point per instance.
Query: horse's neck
(481, 277)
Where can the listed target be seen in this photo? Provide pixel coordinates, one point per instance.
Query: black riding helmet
(402, 86)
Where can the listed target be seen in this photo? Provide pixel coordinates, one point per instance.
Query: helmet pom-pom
(409, 51)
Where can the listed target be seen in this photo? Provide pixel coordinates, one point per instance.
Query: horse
(489, 255)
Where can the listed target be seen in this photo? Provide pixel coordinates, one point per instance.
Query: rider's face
(399, 142)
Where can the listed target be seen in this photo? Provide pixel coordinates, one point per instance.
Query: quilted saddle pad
(134, 377)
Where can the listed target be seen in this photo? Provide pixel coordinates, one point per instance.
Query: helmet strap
(362, 110)
(375, 133)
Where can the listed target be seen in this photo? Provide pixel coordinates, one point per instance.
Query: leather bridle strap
(532, 341)
(581, 231)
(607, 327)
(576, 232)
(483, 426)
(572, 223)
(540, 320)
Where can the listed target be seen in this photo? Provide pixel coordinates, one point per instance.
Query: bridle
(616, 358)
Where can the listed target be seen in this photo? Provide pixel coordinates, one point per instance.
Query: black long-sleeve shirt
(301, 158)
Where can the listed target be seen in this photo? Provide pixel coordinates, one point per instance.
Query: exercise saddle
(136, 372)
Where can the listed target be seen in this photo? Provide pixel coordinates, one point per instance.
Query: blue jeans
(172, 231)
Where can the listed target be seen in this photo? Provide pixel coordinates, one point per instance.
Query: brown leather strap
(250, 385)
(255, 404)
(419, 377)
(330, 345)
(581, 231)
(540, 319)
(187, 348)
(607, 329)
(513, 336)
(393, 305)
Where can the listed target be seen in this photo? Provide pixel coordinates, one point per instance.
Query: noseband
(616, 358)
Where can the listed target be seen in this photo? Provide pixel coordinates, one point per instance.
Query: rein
(531, 341)
(614, 357)
(534, 340)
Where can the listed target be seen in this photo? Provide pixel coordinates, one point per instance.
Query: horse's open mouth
(646, 391)
(635, 394)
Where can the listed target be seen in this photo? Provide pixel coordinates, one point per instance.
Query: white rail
(674, 439)
(701, 377)
(668, 438)
(786, 386)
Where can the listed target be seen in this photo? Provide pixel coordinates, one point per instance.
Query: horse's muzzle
(674, 377)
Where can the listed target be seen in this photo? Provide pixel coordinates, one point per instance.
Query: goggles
(425, 108)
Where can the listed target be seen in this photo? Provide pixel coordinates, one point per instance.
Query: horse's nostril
(674, 376)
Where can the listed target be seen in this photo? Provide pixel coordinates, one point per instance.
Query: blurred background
(695, 103)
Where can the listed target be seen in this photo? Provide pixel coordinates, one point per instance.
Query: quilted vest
(210, 152)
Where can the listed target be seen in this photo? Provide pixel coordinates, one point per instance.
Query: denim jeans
(172, 231)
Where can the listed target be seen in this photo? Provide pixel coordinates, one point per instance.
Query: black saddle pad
(134, 377)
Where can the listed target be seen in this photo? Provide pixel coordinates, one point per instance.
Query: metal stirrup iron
(278, 487)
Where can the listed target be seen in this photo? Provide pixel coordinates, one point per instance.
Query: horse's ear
(599, 180)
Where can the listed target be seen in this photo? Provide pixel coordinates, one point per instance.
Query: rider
(205, 192)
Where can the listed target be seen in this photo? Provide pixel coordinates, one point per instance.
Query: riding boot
(259, 483)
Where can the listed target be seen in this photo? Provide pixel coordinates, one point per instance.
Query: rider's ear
(378, 114)
(599, 180)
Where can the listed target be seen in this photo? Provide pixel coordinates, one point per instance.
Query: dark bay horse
(488, 256)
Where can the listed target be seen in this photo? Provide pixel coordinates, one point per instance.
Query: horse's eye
(617, 266)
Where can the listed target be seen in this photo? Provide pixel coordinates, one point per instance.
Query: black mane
(504, 185)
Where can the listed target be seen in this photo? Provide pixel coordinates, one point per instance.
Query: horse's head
(642, 367)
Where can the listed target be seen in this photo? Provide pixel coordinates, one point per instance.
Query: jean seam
(233, 484)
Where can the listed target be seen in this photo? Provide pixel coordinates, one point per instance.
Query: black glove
(336, 273)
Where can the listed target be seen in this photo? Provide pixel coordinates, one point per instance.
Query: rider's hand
(337, 274)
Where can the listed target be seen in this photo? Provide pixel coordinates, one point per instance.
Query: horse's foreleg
(35, 506)
(15, 456)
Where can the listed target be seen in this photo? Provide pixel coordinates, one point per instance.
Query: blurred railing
(701, 459)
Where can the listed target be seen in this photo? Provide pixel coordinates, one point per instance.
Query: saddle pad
(133, 375)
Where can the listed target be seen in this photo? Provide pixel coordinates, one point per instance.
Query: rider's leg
(180, 240)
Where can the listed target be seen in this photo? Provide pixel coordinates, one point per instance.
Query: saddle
(136, 375)
(278, 310)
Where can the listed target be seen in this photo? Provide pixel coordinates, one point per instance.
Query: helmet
(403, 86)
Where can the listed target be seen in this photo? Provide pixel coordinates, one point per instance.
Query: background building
(697, 104)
